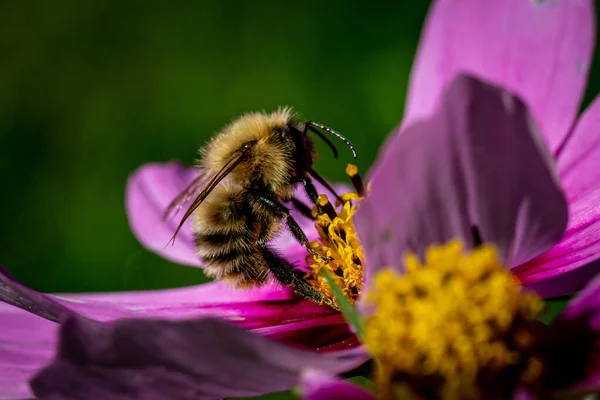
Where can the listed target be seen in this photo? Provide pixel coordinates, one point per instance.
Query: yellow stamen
(338, 241)
(352, 172)
(450, 326)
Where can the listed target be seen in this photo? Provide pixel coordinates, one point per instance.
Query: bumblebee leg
(309, 187)
(303, 208)
(285, 273)
(281, 211)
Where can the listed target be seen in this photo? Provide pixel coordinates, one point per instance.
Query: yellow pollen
(338, 241)
(351, 170)
(323, 200)
(449, 326)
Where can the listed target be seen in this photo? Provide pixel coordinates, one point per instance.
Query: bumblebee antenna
(325, 139)
(334, 133)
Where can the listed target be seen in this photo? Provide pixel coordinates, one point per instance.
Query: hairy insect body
(273, 157)
(228, 230)
(232, 224)
(248, 170)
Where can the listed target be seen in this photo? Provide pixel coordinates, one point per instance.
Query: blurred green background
(89, 91)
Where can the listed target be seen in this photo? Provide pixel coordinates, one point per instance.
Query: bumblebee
(249, 170)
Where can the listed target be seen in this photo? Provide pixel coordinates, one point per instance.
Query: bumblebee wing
(212, 183)
(186, 194)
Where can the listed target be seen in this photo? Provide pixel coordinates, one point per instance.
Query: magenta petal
(574, 344)
(255, 306)
(187, 302)
(563, 282)
(540, 50)
(579, 247)
(149, 191)
(318, 385)
(27, 343)
(271, 310)
(276, 311)
(476, 162)
(159, 359)
(18, 295)
(579, 157)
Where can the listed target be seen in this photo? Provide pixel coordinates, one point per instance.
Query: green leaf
(553, 308)
(350, 314)
(363, 382)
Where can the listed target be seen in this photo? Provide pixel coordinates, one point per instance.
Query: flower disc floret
(457, 326)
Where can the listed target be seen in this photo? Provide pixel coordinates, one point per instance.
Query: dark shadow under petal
(478, 162)
(159, 359)
(572, 347)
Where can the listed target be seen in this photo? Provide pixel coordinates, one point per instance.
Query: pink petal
(477, 162)
(160, 359)
(541, 50)
(151, 189)
(19, 295)
(579, 247)
(27, 343)
(318, 385)
(275, 310)
(579, 157)
(178, 303)
(564, 282)
(271, 310)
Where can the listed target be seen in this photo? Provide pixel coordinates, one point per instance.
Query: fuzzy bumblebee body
(227, 230)
(279, 151)
(252, 166)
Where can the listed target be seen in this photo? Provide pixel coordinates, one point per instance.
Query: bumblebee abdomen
(225, 227)
(240, 266)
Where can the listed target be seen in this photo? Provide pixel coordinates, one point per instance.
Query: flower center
(457, 326)
(338, 241)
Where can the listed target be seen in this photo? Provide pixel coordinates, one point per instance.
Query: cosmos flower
(443, 315)
(539, 50)
(564, 362)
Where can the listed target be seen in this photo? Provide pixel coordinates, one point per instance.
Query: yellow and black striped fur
(250, 168)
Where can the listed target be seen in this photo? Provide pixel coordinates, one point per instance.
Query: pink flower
(573, 366)
(486, 343)
(539, 50)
